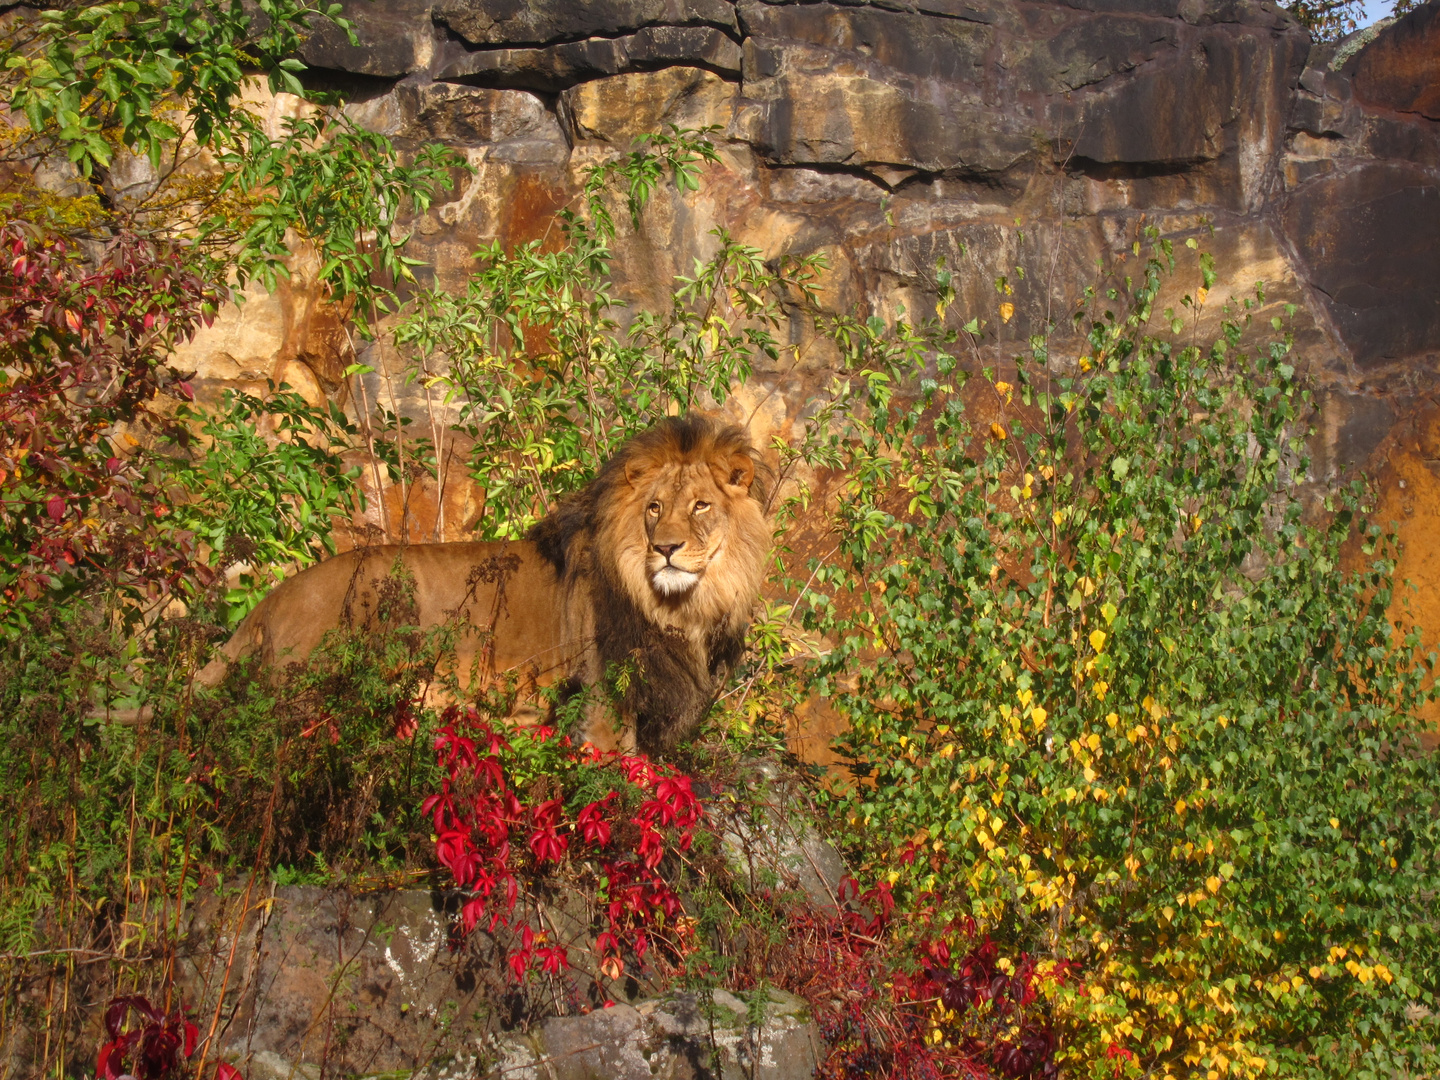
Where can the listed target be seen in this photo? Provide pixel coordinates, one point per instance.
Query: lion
(648, 575)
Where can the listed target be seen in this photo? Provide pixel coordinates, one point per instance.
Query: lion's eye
(701, 507)
(654, 508)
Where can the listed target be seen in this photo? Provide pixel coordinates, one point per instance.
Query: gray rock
(716, 1036)
(771, 839)
(393, 39)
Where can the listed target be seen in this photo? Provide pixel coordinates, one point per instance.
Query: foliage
(1112, 695)
(338, 186)
(549, 380)
(83, 346)
(1332, 19)
(160, 1043)
(97, 67)
(520, 811)
(123, 785)
(269, 500)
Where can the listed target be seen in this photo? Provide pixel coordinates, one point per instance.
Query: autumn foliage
(85, 337)
(509, 819)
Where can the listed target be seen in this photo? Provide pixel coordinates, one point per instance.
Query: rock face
(329, 983)
(892, 133)
(714, 1037)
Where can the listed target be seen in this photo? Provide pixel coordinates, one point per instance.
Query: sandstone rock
(556, 67)
(1401, 69)
(617, 109)
(1370, 242)
(466, 116)
(540, 22)
(842, 86)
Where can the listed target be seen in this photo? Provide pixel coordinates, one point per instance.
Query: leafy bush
(269, 500)
(547, 379)
(522, 815)
(1112, 694)
(83, 348)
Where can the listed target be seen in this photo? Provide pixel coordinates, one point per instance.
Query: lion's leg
(604, 731)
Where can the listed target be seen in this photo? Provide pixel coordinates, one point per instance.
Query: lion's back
(505, 592)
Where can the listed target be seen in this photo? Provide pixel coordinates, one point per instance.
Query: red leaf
(553, 959)
(519, 962)
(593, 826)
(55, 508)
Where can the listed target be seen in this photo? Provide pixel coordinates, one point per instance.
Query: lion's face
(687, 516)
(688, 539)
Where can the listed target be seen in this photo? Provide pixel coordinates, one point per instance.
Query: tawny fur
(587, 593)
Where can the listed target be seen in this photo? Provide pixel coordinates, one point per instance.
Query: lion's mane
(679, 651)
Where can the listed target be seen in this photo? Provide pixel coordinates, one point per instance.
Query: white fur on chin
(671, 580)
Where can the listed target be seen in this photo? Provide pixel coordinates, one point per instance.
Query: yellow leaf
(1213, 884)
(1334, 823)
(1201, 294)
(1007, 311)
(1039, 715)
(997, 431)
(1097, 639)
(1316, 972)
(1180, 806)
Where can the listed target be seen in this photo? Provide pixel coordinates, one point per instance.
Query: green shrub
(1113, 693)
(547, 379)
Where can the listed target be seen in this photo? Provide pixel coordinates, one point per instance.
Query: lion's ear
(736, 471)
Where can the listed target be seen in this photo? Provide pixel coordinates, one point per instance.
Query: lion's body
(507, 597)
(652, 569)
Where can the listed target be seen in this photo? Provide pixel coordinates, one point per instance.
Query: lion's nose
(668, 549)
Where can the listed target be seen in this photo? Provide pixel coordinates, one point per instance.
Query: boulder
(767, 1035)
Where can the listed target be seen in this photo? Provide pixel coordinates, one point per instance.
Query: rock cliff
(995, 133)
